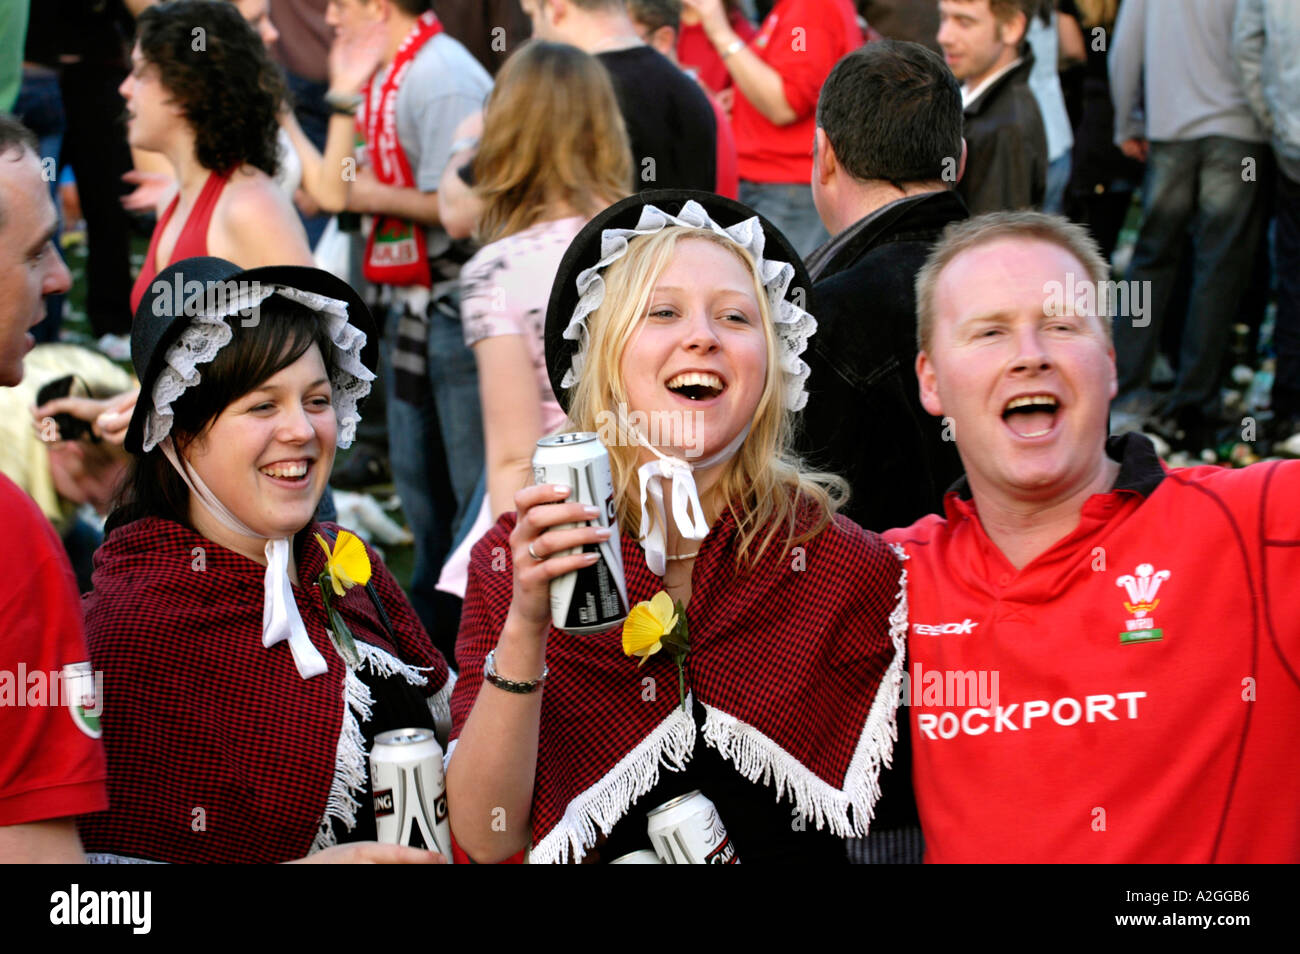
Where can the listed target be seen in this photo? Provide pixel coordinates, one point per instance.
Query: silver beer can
(594, 598)
(410, 793)
(688, 831)
(643, 856)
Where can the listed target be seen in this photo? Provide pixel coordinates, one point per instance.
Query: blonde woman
(553, 153)
(680, 308)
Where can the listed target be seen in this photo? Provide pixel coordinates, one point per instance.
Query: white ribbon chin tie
(280, 617)
(688, 512)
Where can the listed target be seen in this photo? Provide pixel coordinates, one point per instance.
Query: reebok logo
(943, 629)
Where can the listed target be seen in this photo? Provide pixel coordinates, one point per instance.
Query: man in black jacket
(984, 44)
(888, 127)
(888, 145)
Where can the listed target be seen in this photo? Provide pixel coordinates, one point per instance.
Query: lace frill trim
(793, 325)
(350, 763)
(602, 805)
(206, 335)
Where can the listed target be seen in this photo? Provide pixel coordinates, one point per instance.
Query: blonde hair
(552, 135)
(763, 485)
(1032, 226)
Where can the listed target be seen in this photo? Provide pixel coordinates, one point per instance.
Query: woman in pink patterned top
(554, 152)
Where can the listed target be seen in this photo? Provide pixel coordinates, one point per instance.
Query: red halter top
(192, 241)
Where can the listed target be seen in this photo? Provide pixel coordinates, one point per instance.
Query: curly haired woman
(205, 94)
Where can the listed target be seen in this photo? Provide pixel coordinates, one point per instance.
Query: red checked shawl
(198, 714)
(797, 664)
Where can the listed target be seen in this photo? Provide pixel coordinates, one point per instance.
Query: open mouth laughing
(696, 385)
(1032, 415)
(288, 473)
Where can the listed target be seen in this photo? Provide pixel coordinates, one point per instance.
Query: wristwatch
(732, 48)
(344, 103)
(509, 685)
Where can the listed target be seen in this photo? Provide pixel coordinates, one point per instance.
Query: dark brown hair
(213, 64)
(14, 137)
(283, 333)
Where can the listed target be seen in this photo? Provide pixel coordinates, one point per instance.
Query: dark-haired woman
(241, 717)
(204, 93)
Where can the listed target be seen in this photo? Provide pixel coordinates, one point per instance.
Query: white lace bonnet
(792, 324)
(208, 332)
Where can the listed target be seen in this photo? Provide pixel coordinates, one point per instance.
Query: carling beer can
(593, 598)
(688, 831)
(643, 856)
(410, 794)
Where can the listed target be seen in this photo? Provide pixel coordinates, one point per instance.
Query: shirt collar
(818, 260)
(969, 94)
(1140, 470)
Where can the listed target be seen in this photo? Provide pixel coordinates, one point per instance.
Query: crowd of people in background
(830, 230)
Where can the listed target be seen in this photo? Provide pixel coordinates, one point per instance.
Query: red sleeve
(741, 26)
(920, 532)
(51, 761)
(1280, 523)
(807, 42)
(1281, 515)
(728, 171)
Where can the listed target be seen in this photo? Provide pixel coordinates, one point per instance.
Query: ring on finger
(533, 553)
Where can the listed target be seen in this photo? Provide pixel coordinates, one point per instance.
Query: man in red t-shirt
(51, 763)
(696, 53)
(777, 78)
(1103, 653)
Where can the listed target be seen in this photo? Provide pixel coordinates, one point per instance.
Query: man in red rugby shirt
(1139, 622)
(51, 763)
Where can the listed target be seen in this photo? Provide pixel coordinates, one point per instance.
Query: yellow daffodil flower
(646, 626)
(348, 564)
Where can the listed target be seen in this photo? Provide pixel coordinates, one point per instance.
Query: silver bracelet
(345, 104)
(732, 48)
(510, 685)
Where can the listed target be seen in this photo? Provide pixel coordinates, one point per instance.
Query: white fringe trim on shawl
(755, 756)
(350, 760)
(760, 759)
(440, 709)
(108, 858)
(608, 800)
